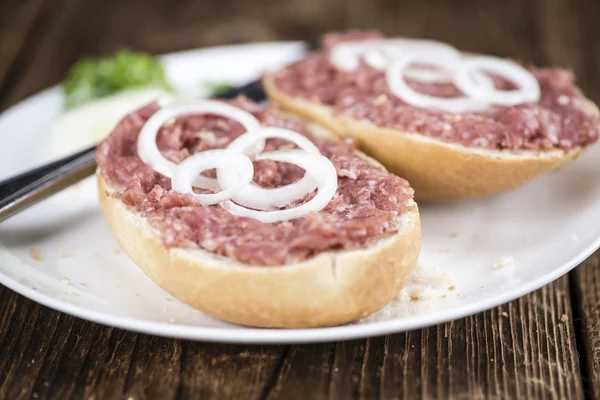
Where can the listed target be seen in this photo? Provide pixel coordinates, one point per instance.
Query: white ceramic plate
(61, 253)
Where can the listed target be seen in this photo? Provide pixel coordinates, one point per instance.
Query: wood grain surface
(545, 345)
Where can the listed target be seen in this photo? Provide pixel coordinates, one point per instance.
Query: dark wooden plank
(16, 23)
(154, 369)
(22, 23)
(47, 354)
(524, 349)
(586, 285)
(214, 371)
(529, 353)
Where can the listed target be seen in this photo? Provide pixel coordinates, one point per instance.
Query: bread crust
(438, 171)
(330, 289)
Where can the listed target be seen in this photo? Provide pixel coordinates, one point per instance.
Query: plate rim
(250, 335)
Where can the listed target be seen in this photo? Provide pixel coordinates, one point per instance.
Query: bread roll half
(331, 288)
(437, 170)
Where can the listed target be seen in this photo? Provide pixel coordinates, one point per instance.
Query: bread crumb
(564, 318)
(443, 296)
(82, 284)
(503, 261)
(445, 251)
(137, 294)
(66, 281)
(433, 276)
(481, 287)
(34, 252)
(427, 293)
(451, 287)
(454, 235)
(65, 254)
(76, 294)
(414, 298)
(504, 314)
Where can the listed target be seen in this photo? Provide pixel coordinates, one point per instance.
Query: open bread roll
(329, 288)
(437, 170)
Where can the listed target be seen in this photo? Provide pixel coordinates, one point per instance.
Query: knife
(28, 188)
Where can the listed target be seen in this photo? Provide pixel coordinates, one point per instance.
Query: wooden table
(544, 345)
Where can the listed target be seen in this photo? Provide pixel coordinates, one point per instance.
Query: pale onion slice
(146, 142)
(399, 87)
(254, 196)
(345, 56)
(378, 60)
(423, 75)
(378, 52)
(185, 173)
(528, 87)
(315, 165)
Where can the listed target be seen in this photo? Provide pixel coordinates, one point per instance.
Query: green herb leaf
(93, 78)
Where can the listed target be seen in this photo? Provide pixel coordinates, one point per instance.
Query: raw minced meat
(365, 208)
(559, 120)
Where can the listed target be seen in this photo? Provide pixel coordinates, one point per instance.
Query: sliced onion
(346, 55)
(528, 87)
(396, 48)
(317, 166)
(378, 53)
(399, 87)
(423, 75)
(146, 142)
(254, 196)
(191, 167)
(376, 59)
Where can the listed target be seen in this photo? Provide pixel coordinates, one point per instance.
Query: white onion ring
(345, 56)
(378, 53)
(317, 166)
(399, 87)
(376, 59)
(146, 142)
(528, 87)
(192, 166)
(254, 196)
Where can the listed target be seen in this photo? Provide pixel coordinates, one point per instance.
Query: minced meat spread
(364, 208)
(559, 120)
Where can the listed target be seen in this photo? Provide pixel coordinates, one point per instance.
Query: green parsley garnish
(93, 78)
